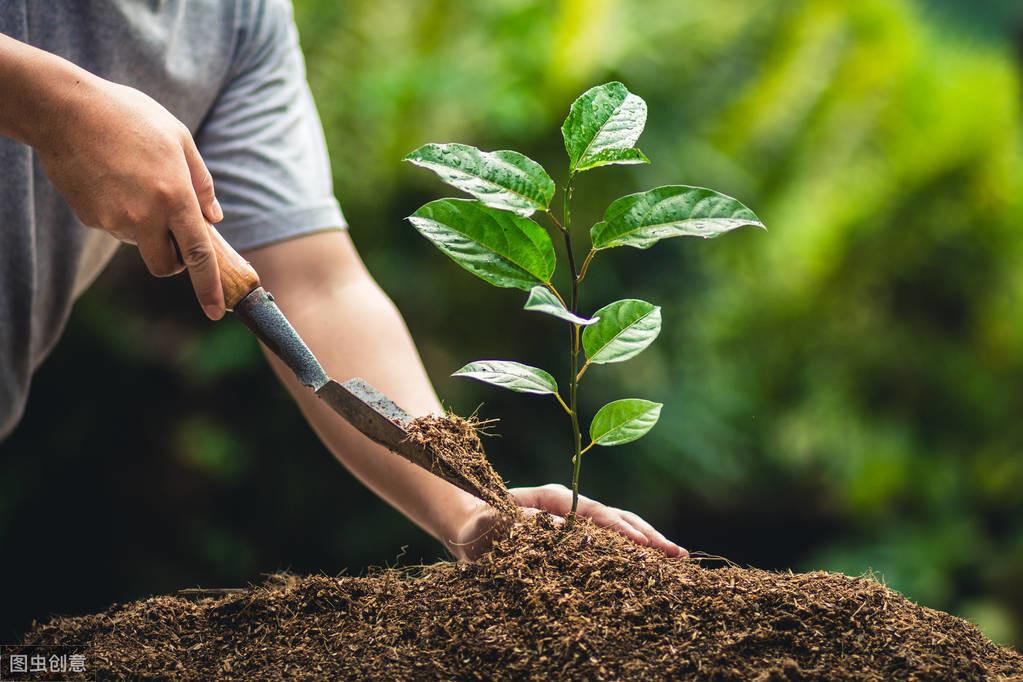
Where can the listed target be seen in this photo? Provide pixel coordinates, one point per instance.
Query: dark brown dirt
(456, 447)
(543, 605)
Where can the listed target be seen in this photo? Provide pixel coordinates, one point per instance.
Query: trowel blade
(368, 410)
(382, 421)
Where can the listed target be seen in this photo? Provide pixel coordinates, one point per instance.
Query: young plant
(495, 238)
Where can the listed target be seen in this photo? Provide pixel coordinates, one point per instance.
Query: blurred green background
(842, 392)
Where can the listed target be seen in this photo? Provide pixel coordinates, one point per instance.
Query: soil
(542, 604)
(455, 446)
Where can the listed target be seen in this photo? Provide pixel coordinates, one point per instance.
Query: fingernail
(213, 312)
(218, 212)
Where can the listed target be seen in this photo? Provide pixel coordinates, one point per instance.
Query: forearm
(355, 330)
(34, 85)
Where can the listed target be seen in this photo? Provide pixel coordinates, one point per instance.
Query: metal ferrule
(261, 315)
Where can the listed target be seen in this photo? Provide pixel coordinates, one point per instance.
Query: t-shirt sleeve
(262, 139)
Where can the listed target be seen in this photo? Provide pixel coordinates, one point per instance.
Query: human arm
(122, 162)
(323, 288)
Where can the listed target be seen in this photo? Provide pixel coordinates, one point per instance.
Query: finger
(657, 539)
(601, 514)
(557, 499)
(158, 252)
(608, 517)
(126, 235)
(193, 237)
(624, 528)
(553, 498)
(202, 182)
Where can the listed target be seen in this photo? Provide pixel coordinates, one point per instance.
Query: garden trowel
(361, 405)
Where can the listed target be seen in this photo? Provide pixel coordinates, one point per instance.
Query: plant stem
(579, 376)
(554, 219)
(577, 440)
(573, 385)
(556, 294)
(586, 264)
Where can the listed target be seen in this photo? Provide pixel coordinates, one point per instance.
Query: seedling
(495, 238)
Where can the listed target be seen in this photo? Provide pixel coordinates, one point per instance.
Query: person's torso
(177, 51)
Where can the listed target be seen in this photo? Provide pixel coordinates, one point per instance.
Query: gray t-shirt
(230, 70)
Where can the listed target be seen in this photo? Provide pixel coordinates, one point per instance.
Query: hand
(127, 166)
(478, 533)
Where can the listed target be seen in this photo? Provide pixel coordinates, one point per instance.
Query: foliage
(839, 396)
(494, 239)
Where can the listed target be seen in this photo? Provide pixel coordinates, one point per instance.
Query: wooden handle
(237, 277)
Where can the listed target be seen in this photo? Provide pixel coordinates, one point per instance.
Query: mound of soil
(543, 604)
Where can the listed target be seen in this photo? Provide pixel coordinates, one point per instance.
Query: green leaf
(640, 220)
(624, 421)
(511, 375)
(603, 122)
(502, 179)
(542, 300)
(622, 157)
(500, 247)
(625, 328)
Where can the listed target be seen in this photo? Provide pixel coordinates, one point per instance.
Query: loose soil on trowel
(542, 604)
(455, 443)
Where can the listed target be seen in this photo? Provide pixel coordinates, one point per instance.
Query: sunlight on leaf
(542, 300)
(502, 179)
(602, 126)
(511, 375)
(641, 220)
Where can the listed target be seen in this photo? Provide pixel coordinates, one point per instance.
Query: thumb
(202, 183)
